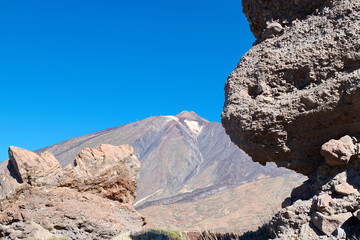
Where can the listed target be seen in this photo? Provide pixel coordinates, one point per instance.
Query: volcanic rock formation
(89, 200)
(298, 86)
(294, 99)
(189, 161)
(328, 203)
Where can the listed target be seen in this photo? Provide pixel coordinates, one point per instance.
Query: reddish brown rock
(323, 201)
(345, 189)
(33, 168)
(328, 224)
(66, 212)
(338, 152)
(90, 200)
(8, 185)
(110, 171)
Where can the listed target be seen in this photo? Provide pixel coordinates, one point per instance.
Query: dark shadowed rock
(300, 88)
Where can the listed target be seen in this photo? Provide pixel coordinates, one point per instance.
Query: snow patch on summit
(194, 126)
(172, 118)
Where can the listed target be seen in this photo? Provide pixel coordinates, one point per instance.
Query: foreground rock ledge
(298, 87)
(90, 200)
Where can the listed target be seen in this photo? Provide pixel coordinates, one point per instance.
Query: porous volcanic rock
(325, 205)
(89, 200)
(298, 86)
(262, 14)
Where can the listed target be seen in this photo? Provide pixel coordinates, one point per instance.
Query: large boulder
(111, 171)
(328, 224)
(33, 168)
(339, 152)
(298, 86)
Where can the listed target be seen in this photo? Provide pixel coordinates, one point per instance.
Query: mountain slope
(181, 156)
(192, 177)
(240, 209)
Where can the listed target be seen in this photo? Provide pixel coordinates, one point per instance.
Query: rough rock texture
(90, 200)
(261, 13)
(66, 212)
(111, 171)
(298, 87)
(325, 205)
(328, 224)
(294, 99)
(33, 168)
(339, 152)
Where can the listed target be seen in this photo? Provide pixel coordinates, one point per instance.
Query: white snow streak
(194, 126)
(172, 118)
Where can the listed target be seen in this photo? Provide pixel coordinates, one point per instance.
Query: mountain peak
(190, 115)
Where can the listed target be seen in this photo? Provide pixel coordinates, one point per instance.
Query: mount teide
(184, 159)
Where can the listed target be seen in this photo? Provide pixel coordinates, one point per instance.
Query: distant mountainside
(184, 158)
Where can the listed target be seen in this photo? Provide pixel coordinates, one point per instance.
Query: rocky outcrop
(324, 207)
(89, 200)
(108, 170)
(298, 86)
(294, 99)
(269, 17)
(33, 168)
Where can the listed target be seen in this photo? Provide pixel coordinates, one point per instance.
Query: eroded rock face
(299, 86)
(111, 171)
(90, 200)
(66, 212)
(262, 14)
(325, 205)
(33, 168)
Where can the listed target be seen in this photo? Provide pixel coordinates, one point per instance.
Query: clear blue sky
(70, 67)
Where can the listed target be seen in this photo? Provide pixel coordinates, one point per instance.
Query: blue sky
(70, 67)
